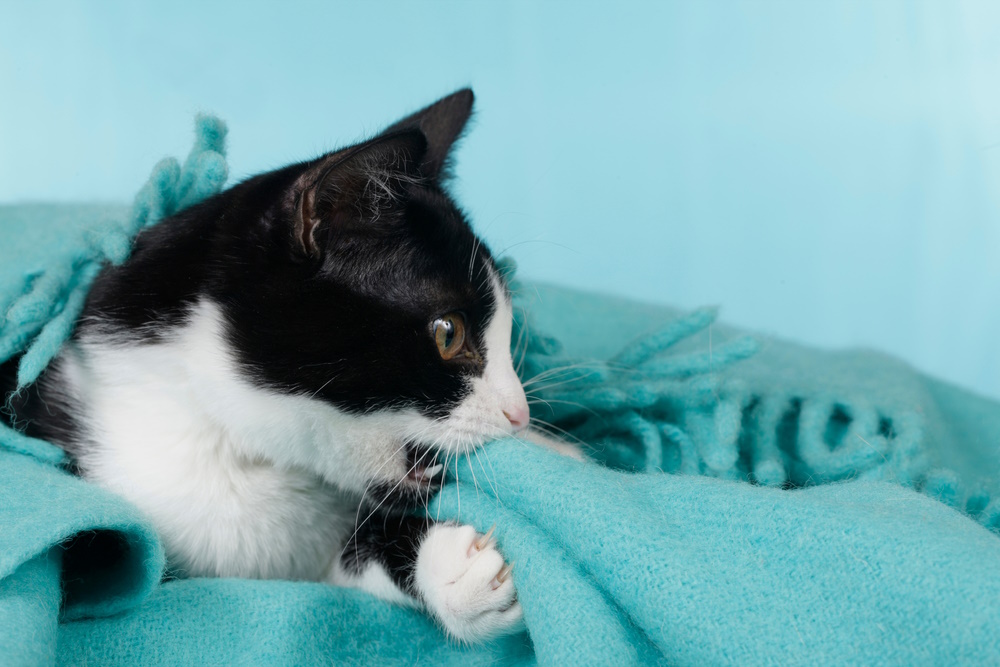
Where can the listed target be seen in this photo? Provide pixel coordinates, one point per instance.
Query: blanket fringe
(649, 409)
(37, 320)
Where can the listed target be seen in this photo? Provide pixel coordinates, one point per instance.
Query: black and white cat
(274, 364)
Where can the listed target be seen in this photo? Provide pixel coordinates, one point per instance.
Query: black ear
(359, 184)
(442, 123)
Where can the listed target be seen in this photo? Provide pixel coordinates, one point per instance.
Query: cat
(276, 371)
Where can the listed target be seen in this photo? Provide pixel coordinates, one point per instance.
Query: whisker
(564, 370)
(522, 442)
(496, 493)
(325, 384)
(458, 489)
(447, 455)
(372, 481)
(559, 432)
(469, 461)
(537, 240)
(382, 502)
(496, 480)
(594, 365)
(321, 363)
(535, 400)
(559, 383)
(522, 336)
(472, 257)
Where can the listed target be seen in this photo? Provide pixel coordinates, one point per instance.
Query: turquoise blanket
(746, 501)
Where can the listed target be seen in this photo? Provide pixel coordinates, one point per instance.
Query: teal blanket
(746, 501)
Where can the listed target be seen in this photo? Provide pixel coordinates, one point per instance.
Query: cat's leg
(455, 573)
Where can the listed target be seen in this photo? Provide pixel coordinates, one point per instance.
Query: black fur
(44, 417)
(393, 543)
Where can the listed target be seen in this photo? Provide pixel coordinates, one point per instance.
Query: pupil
(449, 333)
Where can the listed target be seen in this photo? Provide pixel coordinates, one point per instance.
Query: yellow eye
(449, 334)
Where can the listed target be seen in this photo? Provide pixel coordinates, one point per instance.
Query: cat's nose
(518, 416)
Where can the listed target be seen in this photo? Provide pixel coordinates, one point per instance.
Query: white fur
(373, 579)
(249, 482)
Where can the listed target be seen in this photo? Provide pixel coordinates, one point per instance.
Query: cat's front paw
(466, 584)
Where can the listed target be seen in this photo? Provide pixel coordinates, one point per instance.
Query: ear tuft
(442, 123)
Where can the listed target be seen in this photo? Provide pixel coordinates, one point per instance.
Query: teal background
(826, 171)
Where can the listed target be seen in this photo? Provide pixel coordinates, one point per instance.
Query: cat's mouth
(422, 465)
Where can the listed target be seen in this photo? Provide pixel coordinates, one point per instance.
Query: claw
(481, 543)
(502, 575)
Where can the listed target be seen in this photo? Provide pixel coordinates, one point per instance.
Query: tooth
(433, 470)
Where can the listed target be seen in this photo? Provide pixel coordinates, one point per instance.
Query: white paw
(465, 583)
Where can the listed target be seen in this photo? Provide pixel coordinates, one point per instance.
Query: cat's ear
(442, 123)
(360, 184)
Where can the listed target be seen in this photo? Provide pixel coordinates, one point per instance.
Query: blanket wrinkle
(747, 500)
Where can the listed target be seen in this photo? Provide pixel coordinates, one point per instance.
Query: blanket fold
(41, 512)
(745, 501)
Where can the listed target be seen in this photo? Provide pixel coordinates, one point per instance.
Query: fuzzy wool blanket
(745, 501)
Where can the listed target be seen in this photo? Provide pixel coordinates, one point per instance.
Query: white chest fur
(172, 428)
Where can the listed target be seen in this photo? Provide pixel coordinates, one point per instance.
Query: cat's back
(168, 268)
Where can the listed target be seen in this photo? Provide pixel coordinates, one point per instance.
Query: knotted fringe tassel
(651, 409)
(37, 320)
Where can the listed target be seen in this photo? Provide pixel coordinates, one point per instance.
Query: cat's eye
(449, 334)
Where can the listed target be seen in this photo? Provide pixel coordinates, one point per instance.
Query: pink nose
(518, 416)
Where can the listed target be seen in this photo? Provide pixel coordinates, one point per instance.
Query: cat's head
(373, 303)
